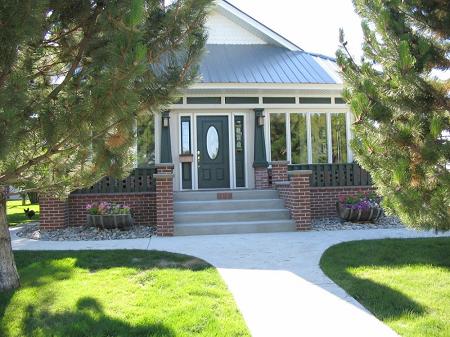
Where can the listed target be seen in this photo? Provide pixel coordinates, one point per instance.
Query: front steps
(248, 211)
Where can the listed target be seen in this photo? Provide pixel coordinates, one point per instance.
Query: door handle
(198, 158)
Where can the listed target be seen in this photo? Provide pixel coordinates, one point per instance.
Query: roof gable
(229, 25)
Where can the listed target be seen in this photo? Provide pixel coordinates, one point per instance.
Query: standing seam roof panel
(260, 64)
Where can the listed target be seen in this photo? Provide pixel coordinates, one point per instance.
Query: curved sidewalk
(275, 278)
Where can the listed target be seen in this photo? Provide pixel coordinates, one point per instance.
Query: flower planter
(358, 215)
(121, 221)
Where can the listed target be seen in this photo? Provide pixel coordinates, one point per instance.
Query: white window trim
(308, 132)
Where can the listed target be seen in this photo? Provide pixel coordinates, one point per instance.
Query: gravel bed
(32, 231)
(335, 224)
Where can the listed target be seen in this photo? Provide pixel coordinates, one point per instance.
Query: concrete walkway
(275, 278)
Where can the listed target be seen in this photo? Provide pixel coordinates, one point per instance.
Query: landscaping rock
(335, 224)
(33, 231)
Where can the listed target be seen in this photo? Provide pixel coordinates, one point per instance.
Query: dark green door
(213, 152)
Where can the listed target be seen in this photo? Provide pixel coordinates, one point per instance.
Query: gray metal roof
(264, 64)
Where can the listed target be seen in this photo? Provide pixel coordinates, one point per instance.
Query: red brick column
(299, 197)
(164, 204)
(261, 178)
(165, 168)
(279, 171)
(53, 212)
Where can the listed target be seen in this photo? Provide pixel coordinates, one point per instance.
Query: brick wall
(261, 178)
(323, 199)
(143, 206)
(279, 171)
(53, 212)
(164, 204)
(296, 195)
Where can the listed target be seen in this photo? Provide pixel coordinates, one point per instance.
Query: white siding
(222, 30)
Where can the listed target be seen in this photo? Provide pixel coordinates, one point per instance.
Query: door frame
(231, 147)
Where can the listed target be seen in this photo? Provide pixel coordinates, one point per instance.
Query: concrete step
(240, 227)
(236, 195)
(231, 215)
(224, 205)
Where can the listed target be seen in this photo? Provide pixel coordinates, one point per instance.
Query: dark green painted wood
(314, 100)
(329, 175)
(140, 180)
(241, 100)
(186, 176)
(260, 159)
(279, 100)
(203, 100)
(166, 145)
(213, 172)
(239, 150)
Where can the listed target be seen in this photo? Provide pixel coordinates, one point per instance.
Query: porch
(292, 197)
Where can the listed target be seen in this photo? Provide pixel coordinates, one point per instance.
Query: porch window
(145, 141)
(278, 136)
(185, 135)
(299, 139)
(319, 139)
(339, 138)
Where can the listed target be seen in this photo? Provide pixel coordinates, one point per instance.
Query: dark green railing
(329, 175)
(140, 180)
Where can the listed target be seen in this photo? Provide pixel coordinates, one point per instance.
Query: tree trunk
(9, 278)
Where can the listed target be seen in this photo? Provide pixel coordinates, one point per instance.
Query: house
(262, 106)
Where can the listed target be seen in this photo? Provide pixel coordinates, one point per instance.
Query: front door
(213, 156)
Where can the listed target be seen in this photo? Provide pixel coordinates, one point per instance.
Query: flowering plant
(107, 208)
(361, 201)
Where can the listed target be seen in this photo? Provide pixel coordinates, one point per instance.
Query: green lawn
(16, 215)
(404, 282)
(118, 293)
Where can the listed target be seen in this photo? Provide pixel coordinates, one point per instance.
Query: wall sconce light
(259, 117)
(165, 119)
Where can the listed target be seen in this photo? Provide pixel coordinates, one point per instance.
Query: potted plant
(361, 207)
(106, 215)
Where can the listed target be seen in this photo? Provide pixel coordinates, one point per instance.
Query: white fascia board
(238, 16)
(258, 87)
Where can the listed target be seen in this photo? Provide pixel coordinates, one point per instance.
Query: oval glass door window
(212, 142)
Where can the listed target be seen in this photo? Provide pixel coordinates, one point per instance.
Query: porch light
(259, 117)
(165, 119)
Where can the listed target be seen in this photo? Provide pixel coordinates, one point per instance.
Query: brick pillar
(261, 178)
(164, 204)
(300, 198)
(164, 168)
(279, 171)
(53, 213)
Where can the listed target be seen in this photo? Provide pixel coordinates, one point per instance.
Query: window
(185, 135)
(299, 136)
(145, 141)
(314, 100)
(319, 139)
(278, 136)
(279, 100)
(339, 138)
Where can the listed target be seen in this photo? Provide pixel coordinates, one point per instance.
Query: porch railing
(140, 180)
(329, 175)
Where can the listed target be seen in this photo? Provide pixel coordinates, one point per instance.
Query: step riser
(229, 216)
(225, 205)
(235, 229)
(237, 195)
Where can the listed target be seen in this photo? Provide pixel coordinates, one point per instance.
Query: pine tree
(401, 110)
(74, 77)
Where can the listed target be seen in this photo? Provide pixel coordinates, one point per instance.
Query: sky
(313, 25)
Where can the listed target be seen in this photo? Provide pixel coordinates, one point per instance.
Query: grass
(16, 215)
(403, 282)
(118, 293)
